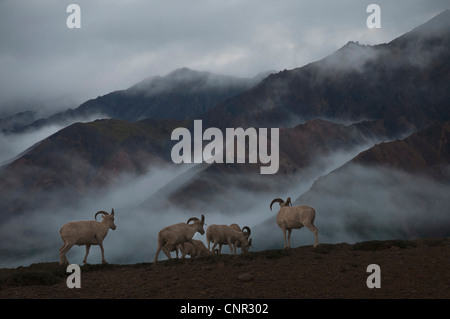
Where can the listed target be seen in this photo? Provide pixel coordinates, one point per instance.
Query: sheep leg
(62, 258)
(87, 253)
(284, 236)
(289, 237)
(166, 250)
(214, 246)
(231, 248)
(235, 245)
(62, 253)
(183, 252)
(103, 253)
(315, 231)
(157, 253)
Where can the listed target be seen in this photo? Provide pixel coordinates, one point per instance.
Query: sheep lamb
(85, 233)
(197, 250)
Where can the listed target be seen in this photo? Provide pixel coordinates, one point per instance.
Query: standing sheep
(85, 233)
(246, 230)
(171, 236)
(295, 217)
(225, 235)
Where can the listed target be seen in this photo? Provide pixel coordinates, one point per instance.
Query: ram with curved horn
(295, 217)
(172, 236)
(226, 235)
(86, 233)
(247, 232)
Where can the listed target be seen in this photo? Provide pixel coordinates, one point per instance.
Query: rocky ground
(408, 269)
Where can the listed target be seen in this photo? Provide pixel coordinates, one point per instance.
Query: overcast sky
(44, 64)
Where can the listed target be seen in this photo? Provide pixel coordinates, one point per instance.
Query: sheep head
(108, 218)
(246, 230)
(248, 242)
(199, 223)
(245, 244)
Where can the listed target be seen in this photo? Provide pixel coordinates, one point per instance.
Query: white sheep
(246, 230)
(197, 250)
(295, 217)
(225, 235)
(87, 233)
(171, 236)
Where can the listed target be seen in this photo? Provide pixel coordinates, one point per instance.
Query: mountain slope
(393, 190)
(81, 158)
(182, 94)
(424, 152)
(305, 152)
(405, 82)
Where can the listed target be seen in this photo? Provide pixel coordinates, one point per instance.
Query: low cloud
(32, 238)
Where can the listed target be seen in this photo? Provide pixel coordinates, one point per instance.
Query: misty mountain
(181, 94)
(79, 158)
(405, 83)
(397, 86)
(16, 121)
(398, 189)
(426, 152)
(382, 174)
(305, 152)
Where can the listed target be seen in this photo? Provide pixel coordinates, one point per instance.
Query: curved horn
(203, 219)
(100, 212)
(248, 230)
(278, 200)
(112, 211)
(191, 219)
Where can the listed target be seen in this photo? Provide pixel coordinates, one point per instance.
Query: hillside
(405, 82)
(304, 152)
(424, 152)
(71, 163)
(182, 94)
(397, 189)
(415, 269)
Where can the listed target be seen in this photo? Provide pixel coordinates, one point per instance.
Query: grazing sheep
(197, 250)
(225, 235)
(171, 236)
(246, 230)
(295, 217)
(86, 232)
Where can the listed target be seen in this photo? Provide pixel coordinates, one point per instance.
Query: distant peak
(350, 43)
(354, 45)
(183, 70)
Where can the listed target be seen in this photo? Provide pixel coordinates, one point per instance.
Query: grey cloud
(123, 42)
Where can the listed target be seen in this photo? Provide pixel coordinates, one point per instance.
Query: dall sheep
(87, 233)
(171, 236)
(225, 235)
(246, 230)
(295, 217)
(197, 250)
